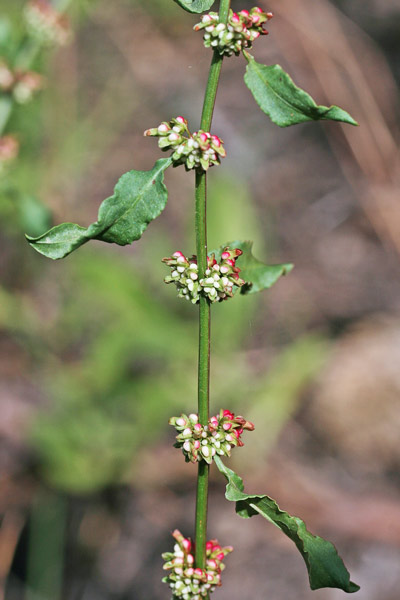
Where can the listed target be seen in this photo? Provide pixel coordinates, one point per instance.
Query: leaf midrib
(63, 241)
(137, 199)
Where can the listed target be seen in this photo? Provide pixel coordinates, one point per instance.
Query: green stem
(204, 308)
(27, 53)
(6, 105)
(46, 545)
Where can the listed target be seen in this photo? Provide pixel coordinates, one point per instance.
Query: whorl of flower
(203, 442)
(238, 33)
(185, 580)
(46, 24)
(199, 150)
(6, 77)
(9, 148)
(21, 84)
(219, 283)
(26, 84)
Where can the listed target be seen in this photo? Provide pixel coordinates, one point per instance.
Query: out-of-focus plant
(205, 279)
(24, 44)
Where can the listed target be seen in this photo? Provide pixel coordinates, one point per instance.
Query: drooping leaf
(258, 275)
(195, 6)
(139, 197)
(324, 565)
(285, 103)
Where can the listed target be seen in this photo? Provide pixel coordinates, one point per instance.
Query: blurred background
(96, 352)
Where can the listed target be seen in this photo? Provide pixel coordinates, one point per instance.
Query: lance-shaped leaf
(195, 6)
(139, 197)
(258, 275)
(285, 103)
(324, 565)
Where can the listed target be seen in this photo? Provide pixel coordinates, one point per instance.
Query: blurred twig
(372, 516)
(10, 531)
(345, 62)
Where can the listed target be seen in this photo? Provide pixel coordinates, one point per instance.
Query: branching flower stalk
(203, 389)
(194, 568)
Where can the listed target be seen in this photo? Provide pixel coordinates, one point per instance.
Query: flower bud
(9, 148)
(238, 34)
(228, 414)
(46, 24)
(6, 78)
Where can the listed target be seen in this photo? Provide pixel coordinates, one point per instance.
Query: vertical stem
(46, 546)
(6, 105)
(204, 307)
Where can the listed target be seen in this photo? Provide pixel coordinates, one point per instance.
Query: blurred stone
(356, 406)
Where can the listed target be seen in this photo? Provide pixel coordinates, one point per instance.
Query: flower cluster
(186, 581)
(46, 24)
(240, 31)
(203, 442)
(9, 148)
(21, 84)
(219, 281)
(199, 150)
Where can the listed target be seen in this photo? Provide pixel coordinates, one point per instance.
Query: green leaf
(195, 6)
(33, 215)
(285, 103)
(139, 197)
(324, 565)
(258, 275)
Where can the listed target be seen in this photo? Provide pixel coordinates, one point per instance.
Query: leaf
(258, 275)
(33, 215)
(324, 565)
(139, 197)
(195, 6)
(285, 103)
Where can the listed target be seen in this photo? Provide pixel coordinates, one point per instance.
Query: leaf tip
(353, 587)
(287, 268)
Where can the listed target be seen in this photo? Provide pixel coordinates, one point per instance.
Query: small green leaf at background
(285, 103)
(258, 275)
(324, 565)
(195, 6)
(33, 215)
(139, 197)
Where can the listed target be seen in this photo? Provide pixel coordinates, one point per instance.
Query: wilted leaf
(139, 197)
(324, 565)
(285, 103)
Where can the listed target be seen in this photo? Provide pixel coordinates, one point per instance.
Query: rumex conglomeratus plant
(208, 277)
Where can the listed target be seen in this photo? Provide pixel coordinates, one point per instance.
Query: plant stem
(6, 105)
(204, 308)
(46, 545)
